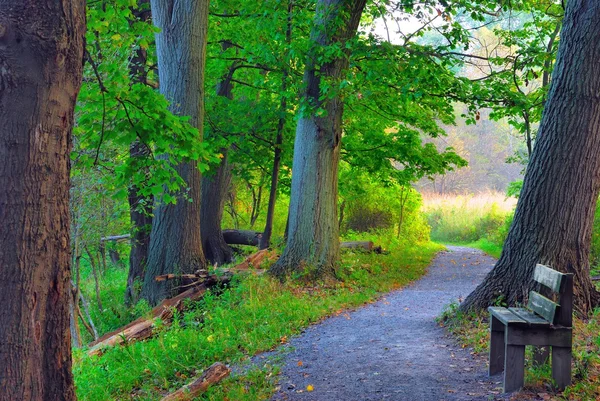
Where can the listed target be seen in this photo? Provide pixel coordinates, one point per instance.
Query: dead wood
(143, 327)
(214, 374)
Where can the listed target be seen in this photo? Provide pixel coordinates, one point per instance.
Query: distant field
(468, 218)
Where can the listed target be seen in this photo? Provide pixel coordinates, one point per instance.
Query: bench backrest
(559, 287)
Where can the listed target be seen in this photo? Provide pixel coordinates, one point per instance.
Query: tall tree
(554, 215)
(40, 76)
(175, 244)
(313, 232)
(140, 206)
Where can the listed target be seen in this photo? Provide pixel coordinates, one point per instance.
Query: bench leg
(541, 355)
(496, 346)
(514, 367)
(561, 366)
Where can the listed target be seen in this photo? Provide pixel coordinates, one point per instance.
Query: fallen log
(116, 238)
(256, 260)
(595, 278)
(241, 237)
(143, 328)
(214, 374)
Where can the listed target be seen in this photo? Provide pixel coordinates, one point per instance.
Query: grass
(255, 314)
(465, 219)
(472, 330)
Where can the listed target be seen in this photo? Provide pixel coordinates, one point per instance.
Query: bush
(363, 217)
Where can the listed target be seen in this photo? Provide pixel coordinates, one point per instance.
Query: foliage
(254, 314)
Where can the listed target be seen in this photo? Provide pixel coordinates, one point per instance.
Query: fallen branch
(595, 278)
(116, 238)
(143, 328)
(241, 237)
(256, 260)
(214, 374)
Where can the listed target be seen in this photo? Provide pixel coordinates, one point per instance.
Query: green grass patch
(255, 314)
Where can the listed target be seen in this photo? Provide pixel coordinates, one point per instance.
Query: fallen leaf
(300, 363)
(309, 387)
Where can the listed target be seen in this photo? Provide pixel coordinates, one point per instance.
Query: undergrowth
(256, 314)
(472, 330)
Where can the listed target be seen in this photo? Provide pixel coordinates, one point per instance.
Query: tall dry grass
(469, 217)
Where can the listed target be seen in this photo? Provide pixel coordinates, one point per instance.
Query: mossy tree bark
(175, 244)
(554, 215)
(313, 233)
(41, 58)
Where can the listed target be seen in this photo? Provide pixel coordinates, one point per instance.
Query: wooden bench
(545, 323)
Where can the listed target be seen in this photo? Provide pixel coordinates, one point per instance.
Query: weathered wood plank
(542, 306)
(549, 277)
(514, 367)
(561, 366)
(531, 318)
(506, 316)
(496, 346)
(560, 337)
(564, 314)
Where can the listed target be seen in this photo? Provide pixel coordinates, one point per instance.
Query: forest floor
(393, 349)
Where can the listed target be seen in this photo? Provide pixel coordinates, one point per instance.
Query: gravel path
(393, 349)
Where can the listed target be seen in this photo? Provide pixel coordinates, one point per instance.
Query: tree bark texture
(140, 207)
(214, 192)
(41, 58)
(175, 244)
(554, 215)
(313, 232)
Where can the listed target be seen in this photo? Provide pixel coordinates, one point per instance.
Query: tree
(40, 76)
(140, 206)
(554, 215)
(175, 244)
(313, 232)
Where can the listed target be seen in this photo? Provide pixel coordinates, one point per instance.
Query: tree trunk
(40, 74)
(313, 233)
(140, 207)
(175, 244)
(555, 212)
(214, 192)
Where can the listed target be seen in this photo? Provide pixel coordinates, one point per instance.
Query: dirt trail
(393, 349)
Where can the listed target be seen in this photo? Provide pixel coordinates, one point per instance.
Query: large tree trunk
(313, 233)
(175, 244)
(40, 74)
(214, 191)
(554, 216)
(140, 207)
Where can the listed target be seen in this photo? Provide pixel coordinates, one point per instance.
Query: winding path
(393, 349)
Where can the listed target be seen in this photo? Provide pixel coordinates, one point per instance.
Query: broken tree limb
(143, 327)
(214, 374)
(116, 238)
(252, 238)
(256, 260)
(242, 237)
